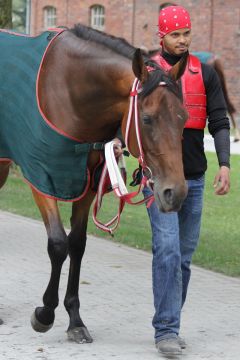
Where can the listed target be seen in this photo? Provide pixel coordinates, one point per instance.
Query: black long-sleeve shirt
(194, 159)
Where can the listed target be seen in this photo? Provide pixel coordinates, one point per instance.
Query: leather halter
(111, 169)
(133, 113)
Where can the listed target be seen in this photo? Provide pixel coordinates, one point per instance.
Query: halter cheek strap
(133, 119)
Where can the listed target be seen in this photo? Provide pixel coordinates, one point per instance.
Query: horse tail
(219, 69)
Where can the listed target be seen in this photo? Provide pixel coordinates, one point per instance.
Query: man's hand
(222, 181)
(117, 148)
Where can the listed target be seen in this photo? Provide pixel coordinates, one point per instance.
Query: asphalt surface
(116, 301)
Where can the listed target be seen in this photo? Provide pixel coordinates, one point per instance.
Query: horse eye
(147, 119)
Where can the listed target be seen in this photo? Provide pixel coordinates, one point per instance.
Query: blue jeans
(174, 239)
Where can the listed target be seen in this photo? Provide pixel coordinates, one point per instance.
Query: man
(175, 235)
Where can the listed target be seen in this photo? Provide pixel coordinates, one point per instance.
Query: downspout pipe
(211, 25)
(67, 12)
(133, 20)
(28, 17)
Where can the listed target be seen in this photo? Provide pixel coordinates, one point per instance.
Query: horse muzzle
(170, 197)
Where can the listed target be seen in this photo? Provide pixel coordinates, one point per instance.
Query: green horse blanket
(53, 164)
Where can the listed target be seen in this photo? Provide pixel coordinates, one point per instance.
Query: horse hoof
(80, 335)
(37, 326)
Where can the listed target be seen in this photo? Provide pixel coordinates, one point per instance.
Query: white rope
(115, 176)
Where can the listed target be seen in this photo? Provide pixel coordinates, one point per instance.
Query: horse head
(161, 118)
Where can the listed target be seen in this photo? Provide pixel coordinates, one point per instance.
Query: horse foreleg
(77, 331)
(43, 317)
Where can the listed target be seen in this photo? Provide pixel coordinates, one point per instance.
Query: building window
(97, 17)
(49, 17)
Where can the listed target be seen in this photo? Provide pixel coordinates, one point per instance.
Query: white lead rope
(112, 171)
(117, 182)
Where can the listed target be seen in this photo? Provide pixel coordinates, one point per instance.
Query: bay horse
(83, 91)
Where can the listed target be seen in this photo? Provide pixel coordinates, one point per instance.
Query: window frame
(97, 17)
(49, 17)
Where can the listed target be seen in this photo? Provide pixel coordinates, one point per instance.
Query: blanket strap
(86, 147)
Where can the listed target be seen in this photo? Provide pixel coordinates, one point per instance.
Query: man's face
(177, 42)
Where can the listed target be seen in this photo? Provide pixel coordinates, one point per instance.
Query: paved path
(116, 302)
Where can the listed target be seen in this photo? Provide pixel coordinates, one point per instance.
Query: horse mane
(116, 44)
(124, 48)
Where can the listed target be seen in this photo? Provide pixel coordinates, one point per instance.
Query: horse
(82, 93)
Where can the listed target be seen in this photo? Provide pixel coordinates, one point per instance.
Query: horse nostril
(168, 196)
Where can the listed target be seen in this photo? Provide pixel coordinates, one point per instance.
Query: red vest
(193, 89)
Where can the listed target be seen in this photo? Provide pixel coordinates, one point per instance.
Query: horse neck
(94, 90)
(105, 95)
(108, 102)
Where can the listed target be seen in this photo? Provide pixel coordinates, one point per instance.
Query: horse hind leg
(77, 331)
(235, 127)
(236, 135)
(4, 171)
(43, 317)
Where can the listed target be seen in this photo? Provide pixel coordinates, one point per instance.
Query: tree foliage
(19, 15)
(6, 14)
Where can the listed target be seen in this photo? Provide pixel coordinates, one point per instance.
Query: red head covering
(173, 18)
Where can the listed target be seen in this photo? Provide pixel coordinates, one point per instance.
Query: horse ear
(178, 69)
(138, 66)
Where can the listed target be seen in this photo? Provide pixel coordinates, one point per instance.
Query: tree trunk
(6, 14)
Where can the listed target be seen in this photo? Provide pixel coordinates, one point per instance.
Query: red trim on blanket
(37, 95)
(59, 31)
(59, 199)
(14, 33)
(53, 197)
(6, 159)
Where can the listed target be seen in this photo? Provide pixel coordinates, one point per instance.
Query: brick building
(215, 25)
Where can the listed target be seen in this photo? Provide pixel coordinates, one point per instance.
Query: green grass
(219, 248)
